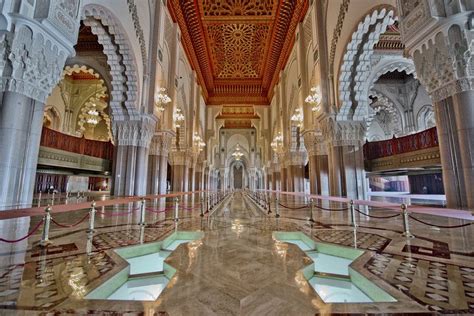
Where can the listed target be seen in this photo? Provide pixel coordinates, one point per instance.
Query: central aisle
(239, 208)
(238, 269)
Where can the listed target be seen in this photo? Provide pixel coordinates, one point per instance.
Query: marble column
(198, 181)
(319, 174)
(347, 172)
(119, 170)
(313, 175)
(133, 139)
(163, 183)
(296, 178)
(154, 172)
(21, 119)
(463, 104)
(31, 64)
(335, 172)
(178, 178)
(191, 180)
(283, 181)
(439, 39)
(276, 181)
(455, 137)
(322, 171)
(130, 169)
(141, 172)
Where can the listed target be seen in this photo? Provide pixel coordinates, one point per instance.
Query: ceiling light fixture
(161, 99)
(298, 117)
(314, 98)
(178, 117)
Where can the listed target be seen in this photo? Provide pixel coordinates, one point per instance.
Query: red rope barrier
(28, 235)
(157, 211)
(331, 209)
(439, 226)
(117, 214)
(294, 208)
(72, 225)
(375, 216)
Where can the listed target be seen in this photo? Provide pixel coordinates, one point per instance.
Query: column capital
(180, 158)
(344, 133)
(34, 52)
(161, 143)
(315, 143)
(135, 133)
(439, 36)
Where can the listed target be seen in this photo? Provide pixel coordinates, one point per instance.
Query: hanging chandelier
(178, 117)
(314, 98)
(92, 116)
(237, 154)
(277, 142)
(298, 117)
(161, 99)
(199, 144)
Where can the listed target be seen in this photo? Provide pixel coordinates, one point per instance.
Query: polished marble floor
(237, 268)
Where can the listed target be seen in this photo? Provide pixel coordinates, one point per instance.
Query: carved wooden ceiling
(238, 47)
(236, 116)
(87, 41)
(391, 39)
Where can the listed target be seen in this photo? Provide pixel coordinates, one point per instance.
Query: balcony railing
(395, 146)
(79, 145)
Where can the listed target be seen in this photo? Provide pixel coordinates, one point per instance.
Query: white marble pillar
(439, 38)
(118, 171)
(141, 170)
(322, 171)
(130, 170)
(31, 63)
(163, 174)
(20, 131)
(335, 173)
(463, 104)
(153, 186)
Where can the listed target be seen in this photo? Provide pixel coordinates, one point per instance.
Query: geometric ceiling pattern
(238, 47)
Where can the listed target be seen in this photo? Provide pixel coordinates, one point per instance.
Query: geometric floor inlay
(443, 288)
(346, 238)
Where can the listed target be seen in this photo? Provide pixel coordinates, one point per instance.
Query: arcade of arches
(361, 99)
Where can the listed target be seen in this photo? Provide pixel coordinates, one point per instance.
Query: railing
(422, 140)
(54, 139)
(262, 197)
(208, 202)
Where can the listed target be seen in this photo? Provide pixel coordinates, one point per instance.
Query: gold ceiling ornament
(314, 98)
(161, 99)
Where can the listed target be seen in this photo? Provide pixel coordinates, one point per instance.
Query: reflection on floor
(143, 289)
(237, 267)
